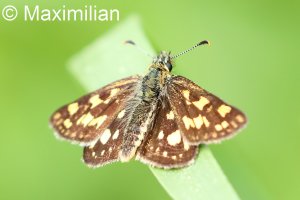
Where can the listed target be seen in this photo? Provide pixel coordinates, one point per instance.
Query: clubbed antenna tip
(203, 42)
(129, 42)
(190, 49)
(139, 48)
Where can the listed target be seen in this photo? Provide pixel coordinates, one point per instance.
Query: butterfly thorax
(154, 81)
(143, 105)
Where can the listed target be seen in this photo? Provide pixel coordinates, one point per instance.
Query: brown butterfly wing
(106, 149)
(84, 120)
(164, 146)
(201, 116)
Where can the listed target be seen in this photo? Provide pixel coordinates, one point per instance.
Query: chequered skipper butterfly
(160, 119)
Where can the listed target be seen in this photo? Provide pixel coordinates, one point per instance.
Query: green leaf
(202, 180)
(106, 60)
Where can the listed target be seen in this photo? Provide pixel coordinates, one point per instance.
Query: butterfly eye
(169, 66)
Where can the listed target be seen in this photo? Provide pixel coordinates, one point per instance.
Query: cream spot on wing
(174, 157)
(93, 122)
(67, 123)
(170, 115)
(107, 101)
(110, 149)
(157, 149)
(92, 146)
(186, 94)
(165, 154)
(188, 102)
(205, 136)
(188, 122)
(180, 155)
(223, 110)
(114, 91)
(240, 118)
(125, 82)
(73, 134)
(174, 138)
(186, 146)
(58, 122)
(105, 136)
(73, 108)
(198, 121)
(234, 124)
(214, 135)
(57, 116)
(209, 109)
(81, 136)
(95, 101)
(224, 124)
(102, 152)
(116, 134)
(121, 114)
(160, 135)
(206, 122)
(201, 103)
(218, 127)
(93, 153)
(87, 119)
(80, 119)
(99, 121)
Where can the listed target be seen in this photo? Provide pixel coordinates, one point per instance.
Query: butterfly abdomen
(144, 104)
(150, 86)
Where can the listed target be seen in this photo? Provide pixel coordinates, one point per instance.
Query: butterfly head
(163, 61)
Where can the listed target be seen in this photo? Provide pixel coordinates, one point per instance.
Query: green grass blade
(107, 60)
(202, 180)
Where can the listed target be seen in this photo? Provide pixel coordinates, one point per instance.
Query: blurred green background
(253, 63)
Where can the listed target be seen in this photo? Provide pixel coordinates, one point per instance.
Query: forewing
(107, 148)
(163, 146)
(201, 116)
(83, 120)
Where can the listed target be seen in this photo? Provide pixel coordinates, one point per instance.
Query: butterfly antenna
(190, 49)
(138, 47)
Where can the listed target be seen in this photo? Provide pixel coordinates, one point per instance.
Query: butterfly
(159, 119)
